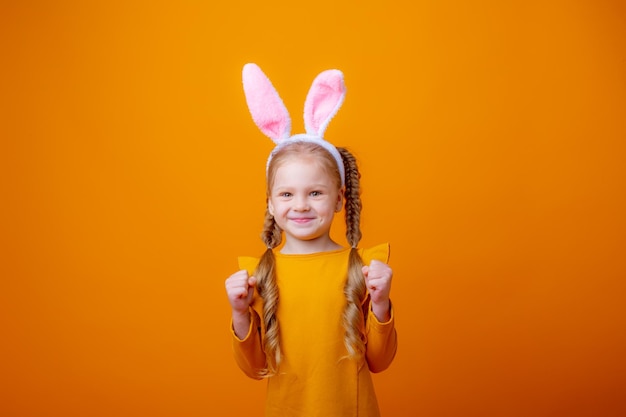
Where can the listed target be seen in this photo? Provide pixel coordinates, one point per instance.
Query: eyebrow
(308, 187)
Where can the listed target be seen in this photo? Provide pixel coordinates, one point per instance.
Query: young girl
(313, 318)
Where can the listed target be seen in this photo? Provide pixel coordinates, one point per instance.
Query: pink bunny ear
(267, 109)
(323, 101)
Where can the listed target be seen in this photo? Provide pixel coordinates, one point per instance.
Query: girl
(312, 317)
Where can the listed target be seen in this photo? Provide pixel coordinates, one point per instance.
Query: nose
(301, 204)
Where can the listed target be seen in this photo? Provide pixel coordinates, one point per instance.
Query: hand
(378, 282)
(240, 289)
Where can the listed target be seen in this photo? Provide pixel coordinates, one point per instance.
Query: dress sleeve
(248, 352)
(382, 340)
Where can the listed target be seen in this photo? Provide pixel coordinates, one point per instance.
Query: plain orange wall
(491, 137)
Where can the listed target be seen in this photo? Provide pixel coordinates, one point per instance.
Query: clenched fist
(240, 289)
(378, 282)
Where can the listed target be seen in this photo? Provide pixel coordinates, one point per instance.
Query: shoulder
(379, 253)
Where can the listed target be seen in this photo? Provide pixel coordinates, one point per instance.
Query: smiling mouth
(302, 220)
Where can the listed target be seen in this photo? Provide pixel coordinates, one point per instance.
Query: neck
(303, 247)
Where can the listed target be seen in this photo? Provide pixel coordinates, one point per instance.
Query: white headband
(269, 113)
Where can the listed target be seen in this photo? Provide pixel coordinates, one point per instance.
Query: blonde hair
(354, 288)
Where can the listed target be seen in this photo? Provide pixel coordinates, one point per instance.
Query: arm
(379, 328)
(248, 350)
(245, 324)
(382, 341)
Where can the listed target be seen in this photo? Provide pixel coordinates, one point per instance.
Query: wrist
(239, 316)
(241, 324)
(382, 310)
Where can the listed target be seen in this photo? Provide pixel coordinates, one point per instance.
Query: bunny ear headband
(324, 99)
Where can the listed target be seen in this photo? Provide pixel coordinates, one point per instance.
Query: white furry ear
(266, 107)
(325, 97)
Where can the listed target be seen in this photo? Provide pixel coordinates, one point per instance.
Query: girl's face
(303, 199)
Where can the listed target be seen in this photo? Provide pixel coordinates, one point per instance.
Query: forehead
(301, 170)
(301, 166)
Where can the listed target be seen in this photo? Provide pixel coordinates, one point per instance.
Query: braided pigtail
(268, 290)
(354, 288)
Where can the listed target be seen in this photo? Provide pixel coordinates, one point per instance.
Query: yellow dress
(315, 378)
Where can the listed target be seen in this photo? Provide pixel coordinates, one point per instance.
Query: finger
(376, 283)
(237, 293)
(233, 284)
(379, 270)
(376, 266)
(365, 269)
(238, 276)
(242, 293)
(252, 281)
(238, 285)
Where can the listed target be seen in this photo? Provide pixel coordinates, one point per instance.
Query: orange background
(491, 137)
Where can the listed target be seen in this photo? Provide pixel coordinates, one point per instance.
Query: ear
(266, 107)
(270, 207)
(340, 198)
(323, 101)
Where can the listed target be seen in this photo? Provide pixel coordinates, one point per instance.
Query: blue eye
(316, 193)
(285, 194)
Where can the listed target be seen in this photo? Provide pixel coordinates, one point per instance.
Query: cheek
(330, 210)
(276, 208)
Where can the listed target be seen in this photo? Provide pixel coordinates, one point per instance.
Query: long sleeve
(382, 342)
(381, 337)
(248, 352)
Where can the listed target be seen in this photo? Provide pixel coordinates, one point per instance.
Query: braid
(354, 289)
(268, 291)
(271, 235)
(353, 198)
